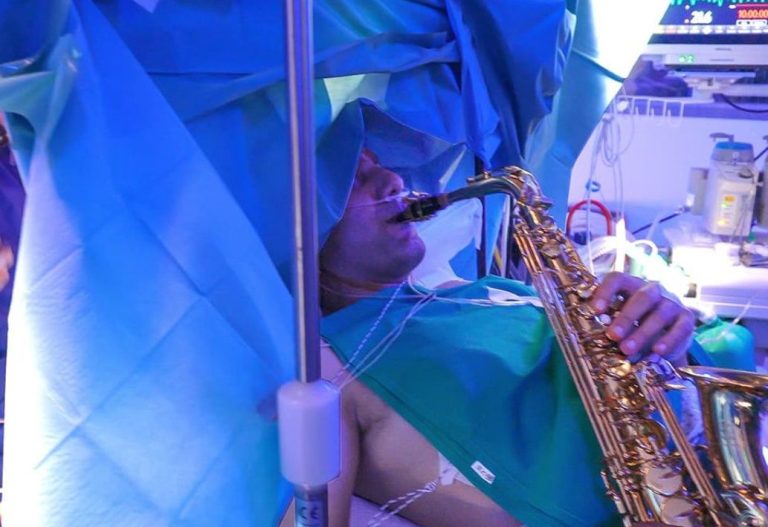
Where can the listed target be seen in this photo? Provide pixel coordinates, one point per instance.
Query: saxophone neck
(512, 181)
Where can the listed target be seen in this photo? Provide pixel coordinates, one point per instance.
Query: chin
(413, 255)
(419, 250)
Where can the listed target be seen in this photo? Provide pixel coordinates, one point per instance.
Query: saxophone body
(647, 480)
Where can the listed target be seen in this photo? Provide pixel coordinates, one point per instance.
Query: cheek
(353, 233)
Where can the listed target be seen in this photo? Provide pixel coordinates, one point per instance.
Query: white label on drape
(483, 472)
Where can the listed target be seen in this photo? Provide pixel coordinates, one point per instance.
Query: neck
(338, 292)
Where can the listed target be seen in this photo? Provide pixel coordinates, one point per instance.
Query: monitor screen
(713, 33)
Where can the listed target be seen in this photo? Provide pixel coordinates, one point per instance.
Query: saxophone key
(550, 249)
(614, 366)
(662, 479)
(580, 311)
(681, 511)
(597, 333)
(604, 319)
(580, 286)
(632, 402)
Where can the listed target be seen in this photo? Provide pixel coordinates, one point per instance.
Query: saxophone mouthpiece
(421, 207)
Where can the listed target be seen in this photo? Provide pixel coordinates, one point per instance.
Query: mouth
(393, 223)
(401, 230)
(395, 212)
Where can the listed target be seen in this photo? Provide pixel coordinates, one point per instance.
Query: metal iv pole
(309, 407)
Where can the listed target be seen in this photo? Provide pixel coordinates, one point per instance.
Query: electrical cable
(722, 333)
(409, 497)
(352, 371)
(608, 147)
(338, 376)
(758, 156)
(730, 102)
(376, 352)
(662, 220)
(514, 300)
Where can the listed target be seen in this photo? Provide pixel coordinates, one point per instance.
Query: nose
(392, 184)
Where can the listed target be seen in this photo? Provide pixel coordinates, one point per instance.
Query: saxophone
(647, 480)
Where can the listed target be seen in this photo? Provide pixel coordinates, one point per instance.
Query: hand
(648, 321)
(6, 262)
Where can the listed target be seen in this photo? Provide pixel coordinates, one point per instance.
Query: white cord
(351, 371)
(337, 377)
(608, 148)
(655, 223)
(376, 352)
(621, 237)
(729, 325)
(406, 499)
(513, 300)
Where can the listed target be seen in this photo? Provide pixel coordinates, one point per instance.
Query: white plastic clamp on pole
(309, 422)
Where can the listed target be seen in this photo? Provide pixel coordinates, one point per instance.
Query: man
(383, 456)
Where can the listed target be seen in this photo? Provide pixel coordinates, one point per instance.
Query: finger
(4, 277)
(678, 336)
(637, 306)
(613, 284)
(664, 314)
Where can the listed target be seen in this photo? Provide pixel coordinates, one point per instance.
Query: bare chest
(396, 460)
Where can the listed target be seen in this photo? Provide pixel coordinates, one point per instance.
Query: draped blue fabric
(603, 52)
(439, 82)
(152, 322)
(149, 329)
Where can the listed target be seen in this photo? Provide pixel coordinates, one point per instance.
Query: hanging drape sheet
(150, 330)
(150, 325)
(609, 36)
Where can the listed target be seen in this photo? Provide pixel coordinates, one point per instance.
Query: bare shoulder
(359, 401)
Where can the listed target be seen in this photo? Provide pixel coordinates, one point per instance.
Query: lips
(393, 212)
(401, 231)
(397, 228)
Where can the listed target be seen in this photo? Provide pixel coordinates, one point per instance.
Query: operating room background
(645, 160)
(173, 147)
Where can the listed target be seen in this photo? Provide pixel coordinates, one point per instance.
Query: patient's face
(365, 245)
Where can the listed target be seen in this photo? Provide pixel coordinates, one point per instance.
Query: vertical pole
(482, 251)
(300, 75)
(308, 408)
